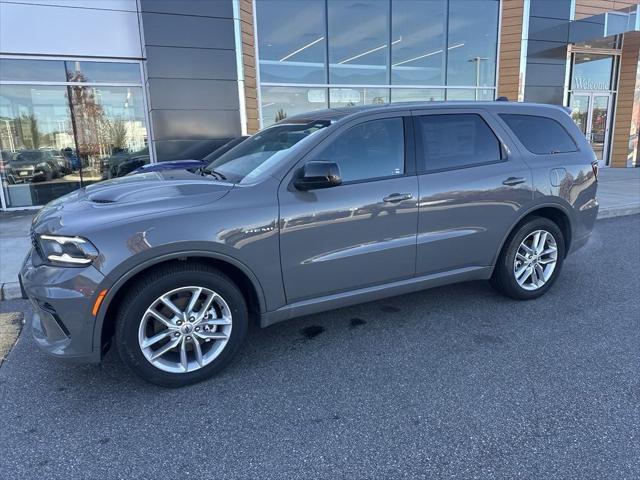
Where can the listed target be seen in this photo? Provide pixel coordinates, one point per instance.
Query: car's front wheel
(531, 260)
(181, 324)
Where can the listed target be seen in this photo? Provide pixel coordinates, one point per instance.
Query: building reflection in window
(57, 138)
(340, 53)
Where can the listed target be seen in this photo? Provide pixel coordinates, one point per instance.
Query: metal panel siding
(211, 8)
(85, 31)
(195, 124)
(126, 5)
(551, 8)
(190, 63)
(547, 52)
(187, 31)
(552, 95)
(545, 75)
(180, 94)
(548, 29)
(186, 149)
(192, 75)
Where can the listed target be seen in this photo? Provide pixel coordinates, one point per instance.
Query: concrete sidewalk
(618, 194)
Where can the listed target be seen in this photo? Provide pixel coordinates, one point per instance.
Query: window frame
(408, 139)
(421, 162)
(517, 138)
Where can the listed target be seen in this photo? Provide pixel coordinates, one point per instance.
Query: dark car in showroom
(319, 211)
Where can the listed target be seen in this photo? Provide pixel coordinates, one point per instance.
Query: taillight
(594, 168)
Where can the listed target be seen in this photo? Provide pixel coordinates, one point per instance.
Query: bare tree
(33, 127)
(117, 129)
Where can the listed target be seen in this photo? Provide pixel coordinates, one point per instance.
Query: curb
(11, 290)
(621, 211)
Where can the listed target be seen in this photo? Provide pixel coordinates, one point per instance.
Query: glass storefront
(66, 124)
(337, 53)
(592, 97)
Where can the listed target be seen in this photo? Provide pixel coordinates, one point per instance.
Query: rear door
(360, 233)
(473, 187)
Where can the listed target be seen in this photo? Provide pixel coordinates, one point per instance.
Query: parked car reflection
(124, 162)
(29, 166)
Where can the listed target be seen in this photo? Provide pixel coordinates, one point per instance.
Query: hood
(25, 163)
(127, 198)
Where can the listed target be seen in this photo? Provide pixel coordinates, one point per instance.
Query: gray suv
(319, 211)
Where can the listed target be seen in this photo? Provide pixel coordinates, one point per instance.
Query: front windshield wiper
(213, 173)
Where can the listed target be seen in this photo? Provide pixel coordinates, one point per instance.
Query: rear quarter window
(540, 135)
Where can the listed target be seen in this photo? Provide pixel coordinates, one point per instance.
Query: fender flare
(114, 287)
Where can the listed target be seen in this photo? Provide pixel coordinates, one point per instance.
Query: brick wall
(510, 44)
(624, 103)
(249, 65)
(586, 8)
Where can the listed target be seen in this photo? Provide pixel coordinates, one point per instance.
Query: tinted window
(103, 72)
(369, 150)
(453, 141)
(358, 42)
(540, 135)
(418, 59)
(292, 41)
(472, 42)
(32, 70)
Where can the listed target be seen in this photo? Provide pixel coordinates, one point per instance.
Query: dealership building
(92, 89)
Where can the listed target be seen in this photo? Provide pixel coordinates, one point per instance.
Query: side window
(455, 141)
(540, 135)
(370, 150)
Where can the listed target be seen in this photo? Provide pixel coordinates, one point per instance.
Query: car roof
(338, 114)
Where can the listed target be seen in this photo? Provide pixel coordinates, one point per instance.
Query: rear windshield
(540, 135)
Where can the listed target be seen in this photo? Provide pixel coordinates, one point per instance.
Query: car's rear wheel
(531, 260)
(181, 324)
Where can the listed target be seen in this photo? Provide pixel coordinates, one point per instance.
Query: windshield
(265, 148)
(31, 156)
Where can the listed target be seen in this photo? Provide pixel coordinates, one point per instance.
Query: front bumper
(62, 298)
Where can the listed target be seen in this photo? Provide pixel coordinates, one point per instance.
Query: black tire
(503, 279)
(159, 281)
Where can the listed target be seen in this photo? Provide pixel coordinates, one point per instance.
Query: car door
(473, 188)
(362, 232)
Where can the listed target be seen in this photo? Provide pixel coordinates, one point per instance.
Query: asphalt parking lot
(455, 382)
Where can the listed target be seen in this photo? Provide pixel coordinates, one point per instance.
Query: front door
(357, 234)
(591, 112)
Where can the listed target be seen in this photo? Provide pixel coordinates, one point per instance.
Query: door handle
(397, 197)
(512, 181)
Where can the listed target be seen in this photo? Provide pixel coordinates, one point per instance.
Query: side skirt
(377, 292)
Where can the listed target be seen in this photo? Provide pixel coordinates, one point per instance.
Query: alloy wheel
(185, 329)
(535, 260)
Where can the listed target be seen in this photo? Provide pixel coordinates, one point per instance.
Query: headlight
(69, 251)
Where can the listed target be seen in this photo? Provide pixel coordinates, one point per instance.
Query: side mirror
(315, 175)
